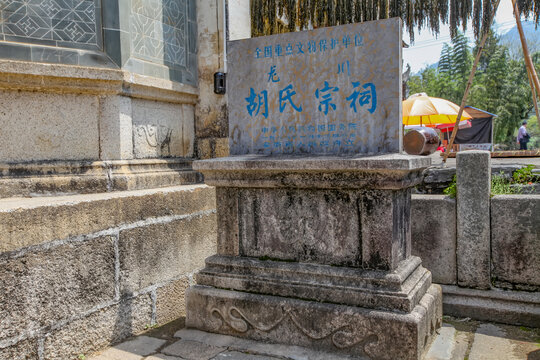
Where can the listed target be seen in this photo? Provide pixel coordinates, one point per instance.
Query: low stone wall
(512, 295)
(433, 232)
(515, 242)
(81, 272)
(515, 239)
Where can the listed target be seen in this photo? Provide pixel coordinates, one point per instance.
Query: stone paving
(458, 339)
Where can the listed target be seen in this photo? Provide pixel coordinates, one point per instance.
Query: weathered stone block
(227, 221)
(53, 126)
(310, 225)
(115, 125)
(378, 301)
(473, 220)
(55, 283)
(170, 301)
(515, 245)
(157, 129)
(389, 172)
(385, 243)
(376, 188)
(23, 350)
(320, 326)
(176, 248)
(55, 218)
(99, 329)
(301, 225)
(433, 235)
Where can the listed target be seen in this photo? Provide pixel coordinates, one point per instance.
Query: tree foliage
(500, 85)
(277, 16)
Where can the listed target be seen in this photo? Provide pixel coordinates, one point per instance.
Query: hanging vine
(278, 16)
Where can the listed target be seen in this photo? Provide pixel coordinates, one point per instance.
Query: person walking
(523, 136)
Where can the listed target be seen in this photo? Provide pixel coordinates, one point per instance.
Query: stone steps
(27, 222)
(86, 271)
(54, 178)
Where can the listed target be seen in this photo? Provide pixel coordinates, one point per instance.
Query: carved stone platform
(350, 330)
(316, 251)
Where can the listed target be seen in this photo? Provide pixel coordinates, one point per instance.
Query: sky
(426, 49)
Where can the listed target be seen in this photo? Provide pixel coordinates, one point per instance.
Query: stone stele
(315, 249)
(333, 90)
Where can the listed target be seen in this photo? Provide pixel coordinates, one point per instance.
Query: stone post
(473, 218)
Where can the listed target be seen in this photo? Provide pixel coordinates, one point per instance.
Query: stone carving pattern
(342, 337)
(71, 21)
(156, 136)
(159, 31)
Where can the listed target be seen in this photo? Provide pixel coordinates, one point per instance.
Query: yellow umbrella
(420, 109)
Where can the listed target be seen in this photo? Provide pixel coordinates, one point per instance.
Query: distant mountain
(512, 41)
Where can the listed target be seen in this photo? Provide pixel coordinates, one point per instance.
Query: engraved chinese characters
(328, 91)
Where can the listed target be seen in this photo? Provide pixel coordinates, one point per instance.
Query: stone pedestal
(316, 251)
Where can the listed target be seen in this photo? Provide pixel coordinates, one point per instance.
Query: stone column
(473, 218)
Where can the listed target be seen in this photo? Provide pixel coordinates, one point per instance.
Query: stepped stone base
(342, 329)
(399, 290)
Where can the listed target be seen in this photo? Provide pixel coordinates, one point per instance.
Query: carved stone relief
(342, 335)
(152, 140)
(158, 129)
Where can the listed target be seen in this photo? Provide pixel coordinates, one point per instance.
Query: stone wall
(514, 244)
(89, 270)
(212, 124)
(63, 112)
(433, 233)
(98, 80)
(86, 271)
(514, 257)
(114, 80)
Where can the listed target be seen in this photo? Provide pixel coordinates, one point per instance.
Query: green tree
(461, 63)
(534, 130)
(445, 63)
(491, 45)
